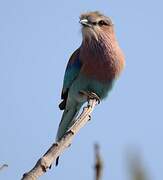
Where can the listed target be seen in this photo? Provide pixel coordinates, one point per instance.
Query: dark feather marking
(74, 62)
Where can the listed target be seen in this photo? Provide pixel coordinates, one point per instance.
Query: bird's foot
(90, 95)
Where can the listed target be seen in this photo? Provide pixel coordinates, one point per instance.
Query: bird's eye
(101, 23)
(94, 23)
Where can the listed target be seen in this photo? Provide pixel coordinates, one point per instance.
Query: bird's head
(95, 24)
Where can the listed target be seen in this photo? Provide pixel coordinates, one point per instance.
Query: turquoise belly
(92, 85)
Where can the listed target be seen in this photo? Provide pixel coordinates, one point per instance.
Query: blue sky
(36, 41)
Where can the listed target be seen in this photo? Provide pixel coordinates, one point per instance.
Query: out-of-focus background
(36, 41)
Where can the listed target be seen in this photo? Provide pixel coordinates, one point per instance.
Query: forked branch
(45, 162)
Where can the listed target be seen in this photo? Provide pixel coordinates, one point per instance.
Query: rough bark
(45, 162)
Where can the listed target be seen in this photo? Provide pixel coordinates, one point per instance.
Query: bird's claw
(90, 95)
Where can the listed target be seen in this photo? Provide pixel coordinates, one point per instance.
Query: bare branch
(98, 164)
(45, 162)
(136, 168)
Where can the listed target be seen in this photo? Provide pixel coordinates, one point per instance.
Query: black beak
(85, 23)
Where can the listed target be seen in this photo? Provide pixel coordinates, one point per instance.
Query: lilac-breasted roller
(92, 68)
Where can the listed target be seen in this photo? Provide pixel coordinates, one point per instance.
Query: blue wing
(71, 73)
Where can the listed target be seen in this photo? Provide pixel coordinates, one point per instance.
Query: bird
(92, 69)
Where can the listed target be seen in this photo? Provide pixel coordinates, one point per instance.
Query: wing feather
(71, 73)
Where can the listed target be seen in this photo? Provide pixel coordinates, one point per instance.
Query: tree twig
(45, 162)
(98, 163)
(136, 168)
